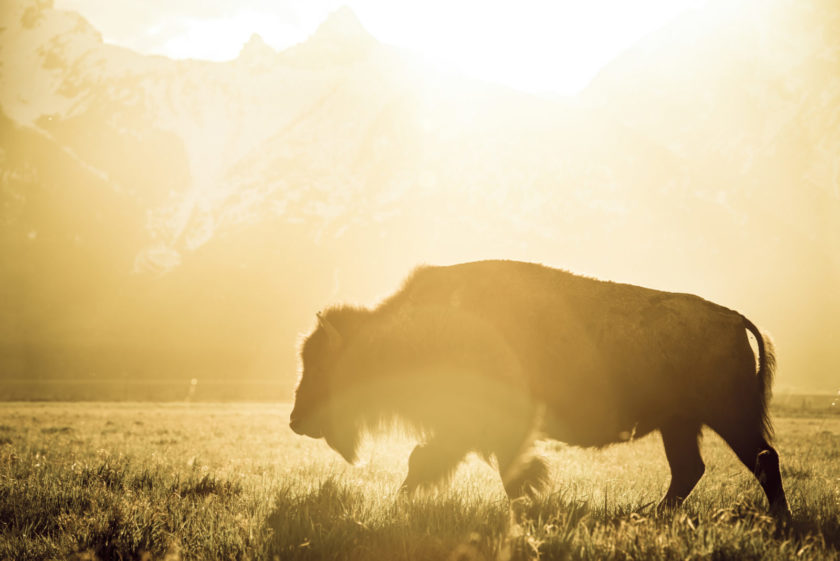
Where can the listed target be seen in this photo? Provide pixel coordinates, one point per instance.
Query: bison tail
(766, 371)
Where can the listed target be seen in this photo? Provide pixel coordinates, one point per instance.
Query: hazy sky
(533, 45)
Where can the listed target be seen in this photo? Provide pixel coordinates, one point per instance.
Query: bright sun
(533, 45)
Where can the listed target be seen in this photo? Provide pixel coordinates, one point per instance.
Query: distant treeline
(805, 405)
(174, 390)
(129, 389)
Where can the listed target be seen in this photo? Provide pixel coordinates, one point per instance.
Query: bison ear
(333, 335)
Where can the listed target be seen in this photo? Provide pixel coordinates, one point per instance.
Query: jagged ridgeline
(174, 220)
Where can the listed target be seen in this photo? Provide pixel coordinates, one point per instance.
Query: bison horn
(332, 333)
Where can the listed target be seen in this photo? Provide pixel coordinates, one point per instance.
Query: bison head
(320, 409)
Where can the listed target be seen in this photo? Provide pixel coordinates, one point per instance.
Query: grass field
(231, 481)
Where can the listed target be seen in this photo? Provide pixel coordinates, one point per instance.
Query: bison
(489, 356)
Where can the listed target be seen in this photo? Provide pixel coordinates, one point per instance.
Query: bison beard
(490, 356)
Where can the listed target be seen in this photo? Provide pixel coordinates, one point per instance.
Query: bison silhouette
(490, 356)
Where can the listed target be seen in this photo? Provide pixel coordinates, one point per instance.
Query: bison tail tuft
(766, 372)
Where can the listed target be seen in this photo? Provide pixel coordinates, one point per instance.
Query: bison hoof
(406, 489)
(668, 505)
(782, 514)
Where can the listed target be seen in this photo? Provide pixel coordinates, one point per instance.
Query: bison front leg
(432, 464)
(525, 475)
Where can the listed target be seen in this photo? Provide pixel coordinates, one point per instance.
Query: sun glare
(535, 45)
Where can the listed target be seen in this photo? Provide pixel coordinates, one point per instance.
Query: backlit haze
(184, 187)
(535, 45)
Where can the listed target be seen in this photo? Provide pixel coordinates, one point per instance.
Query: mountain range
(185, 219)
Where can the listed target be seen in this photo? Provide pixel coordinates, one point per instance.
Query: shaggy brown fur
(488, 356)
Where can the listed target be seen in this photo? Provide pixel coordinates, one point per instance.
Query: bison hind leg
(769, 476)
(682, 448)
(762, 460)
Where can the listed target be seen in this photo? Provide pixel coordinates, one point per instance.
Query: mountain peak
(255, 43)
(342, 24)
(340, 39)
(256, 52)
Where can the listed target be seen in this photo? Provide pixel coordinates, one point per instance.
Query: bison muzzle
(490, 356)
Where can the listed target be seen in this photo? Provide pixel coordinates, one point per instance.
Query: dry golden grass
(231, 481)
